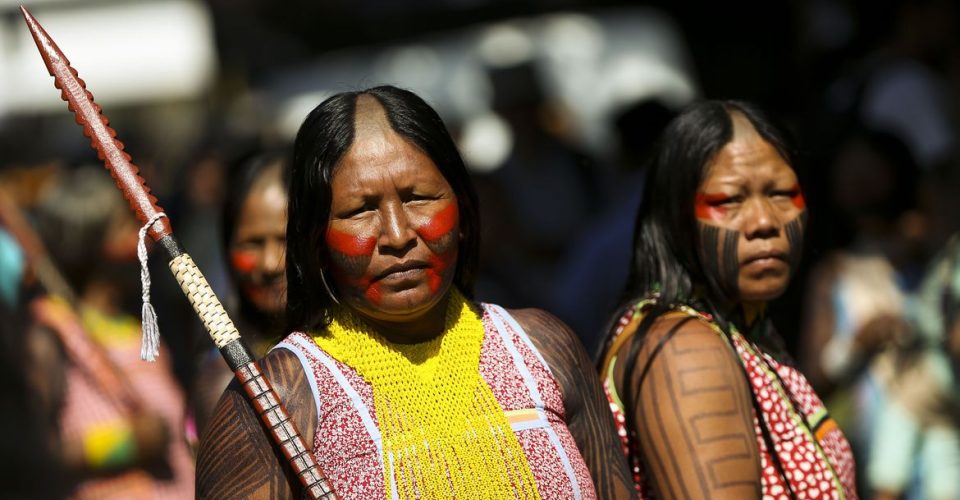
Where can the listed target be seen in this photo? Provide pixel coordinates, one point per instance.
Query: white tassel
(150, 344)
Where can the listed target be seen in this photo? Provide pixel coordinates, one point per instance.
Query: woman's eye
(788, 193)
(719, 200)
(366, 207)
(418, 198)
(726, 200)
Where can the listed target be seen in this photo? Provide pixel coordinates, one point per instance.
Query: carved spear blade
(258, 389)
(97, 128)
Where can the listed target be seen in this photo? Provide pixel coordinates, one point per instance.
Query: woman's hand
(880, 331)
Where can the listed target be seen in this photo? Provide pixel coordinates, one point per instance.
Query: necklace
(444, 432)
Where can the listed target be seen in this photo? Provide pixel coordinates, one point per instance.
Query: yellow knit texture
(443, 430)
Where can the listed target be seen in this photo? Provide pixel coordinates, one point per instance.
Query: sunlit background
(554, 105)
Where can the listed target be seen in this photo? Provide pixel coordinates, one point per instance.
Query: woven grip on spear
(258, 389)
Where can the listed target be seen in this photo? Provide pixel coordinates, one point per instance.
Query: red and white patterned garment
(88, 403)
(347, 442)
(816, 458)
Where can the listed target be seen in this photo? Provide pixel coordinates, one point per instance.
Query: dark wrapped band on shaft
(215, 319)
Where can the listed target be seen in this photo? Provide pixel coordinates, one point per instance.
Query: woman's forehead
(378, 158)
(748, 156)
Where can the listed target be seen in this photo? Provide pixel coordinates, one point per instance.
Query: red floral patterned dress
(348, 440)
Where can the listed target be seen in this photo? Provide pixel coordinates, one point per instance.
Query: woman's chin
(403, 304)
(762, 292)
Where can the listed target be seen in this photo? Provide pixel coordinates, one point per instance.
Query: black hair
(324, 137)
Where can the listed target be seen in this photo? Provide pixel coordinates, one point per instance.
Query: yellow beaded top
(443, 430)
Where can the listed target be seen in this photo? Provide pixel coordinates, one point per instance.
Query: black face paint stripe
(731, 262)
(719, 259)
(794, 232)
(709, 236)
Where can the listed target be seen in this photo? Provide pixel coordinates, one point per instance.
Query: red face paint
(349, 244)
(706, 206)
(243, 262)
(797, 198)
(440, 224)
(374, 293)
(438, 265)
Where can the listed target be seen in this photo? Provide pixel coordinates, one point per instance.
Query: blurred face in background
(257, 251)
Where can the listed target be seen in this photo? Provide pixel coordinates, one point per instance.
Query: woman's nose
(761, 220)
(395, 229)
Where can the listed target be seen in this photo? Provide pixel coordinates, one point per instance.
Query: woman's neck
(422, 329)
(753, 311)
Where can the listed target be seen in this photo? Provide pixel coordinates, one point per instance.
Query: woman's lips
(767, 255)
(402, 272)
(765, 260)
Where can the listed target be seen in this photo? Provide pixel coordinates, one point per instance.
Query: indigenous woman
(708, 402)
(406, 387)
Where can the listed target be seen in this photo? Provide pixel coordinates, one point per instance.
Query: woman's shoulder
(551, 337)
(549, 334)
(674, 332)
(537, 322)
(670, 319)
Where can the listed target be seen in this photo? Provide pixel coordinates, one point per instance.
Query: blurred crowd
(554, 105)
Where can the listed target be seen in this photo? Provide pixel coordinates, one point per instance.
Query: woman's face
(750, 215)
(259, 243)
(394, 227)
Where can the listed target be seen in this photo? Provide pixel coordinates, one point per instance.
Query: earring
(328, 289)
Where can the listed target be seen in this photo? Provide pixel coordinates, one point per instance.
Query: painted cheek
(438, 265)
(350, 245)
(243, 262)
(704, 206)
(441, 223)
(798, 199)
(353, 250)
(373, 293)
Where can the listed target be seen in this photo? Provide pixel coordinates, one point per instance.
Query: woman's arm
(693, 414)
(237, 458)
(588, 416)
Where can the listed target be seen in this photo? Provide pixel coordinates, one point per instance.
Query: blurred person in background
(865, 347)
(253, 237)
(33, 449)
(539, 199)
(694, 370)
(124, 440)
(915, 445)
(591, 275)
(901, 85)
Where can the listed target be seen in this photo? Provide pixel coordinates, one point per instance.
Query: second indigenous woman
(405, 387)
(708, 402)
